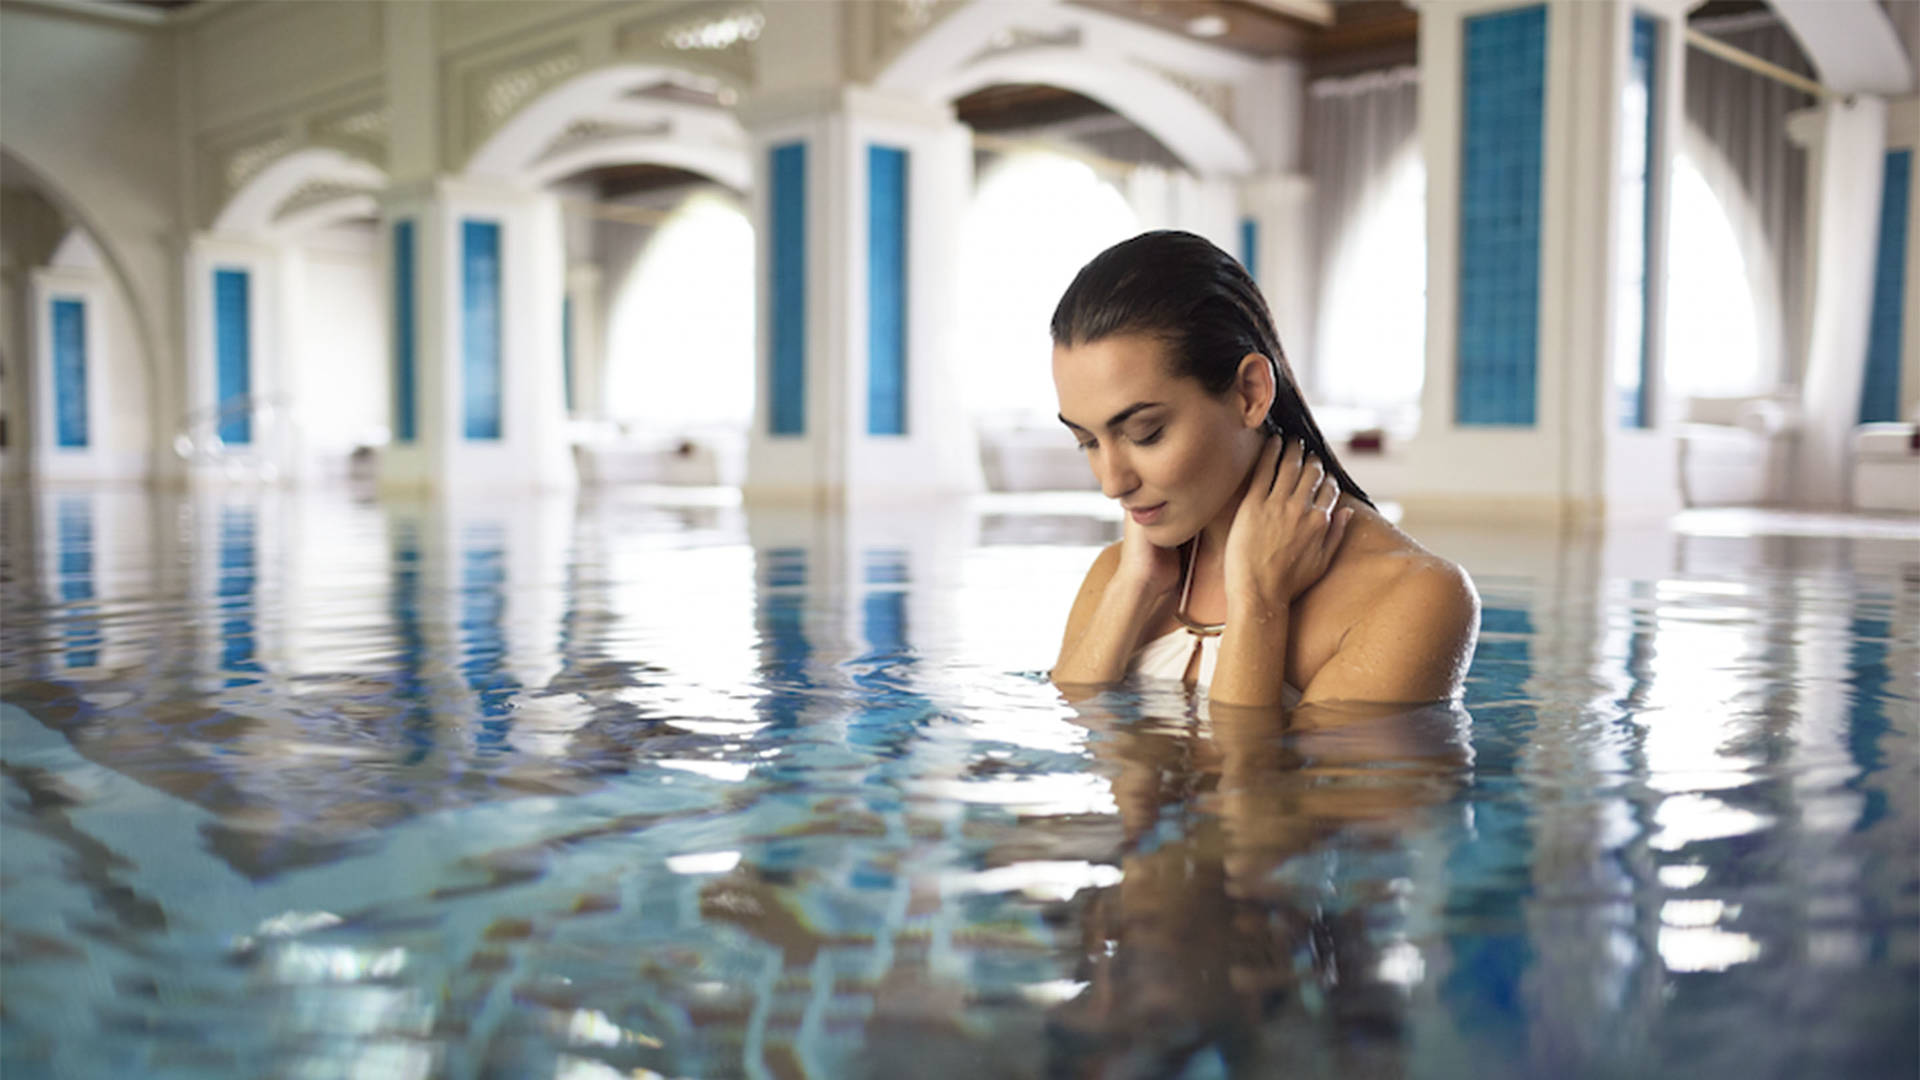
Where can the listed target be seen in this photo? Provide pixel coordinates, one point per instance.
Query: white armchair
(1738, 451)
(1886, 467)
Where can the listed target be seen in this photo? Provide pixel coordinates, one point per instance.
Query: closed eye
(1151, 438)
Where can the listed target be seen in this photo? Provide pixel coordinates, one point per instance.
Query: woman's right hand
(1148, 569)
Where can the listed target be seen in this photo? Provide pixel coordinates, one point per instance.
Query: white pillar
(506, 319)
(1845, 162)
(1280, 210)
(843, 450)
(79, 448)
(1565, 448)
(237, 436)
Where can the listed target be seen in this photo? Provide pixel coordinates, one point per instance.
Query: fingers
(1338, 530)
(1286, 479)
(1328, 495)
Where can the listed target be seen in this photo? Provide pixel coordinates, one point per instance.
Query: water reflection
(1261, 917)
(464, 789)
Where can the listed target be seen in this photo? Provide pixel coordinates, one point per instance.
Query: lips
(1147, 515)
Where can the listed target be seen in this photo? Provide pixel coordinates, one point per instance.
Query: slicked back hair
(1205, 309)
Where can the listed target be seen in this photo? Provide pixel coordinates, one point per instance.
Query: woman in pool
(1251, 563)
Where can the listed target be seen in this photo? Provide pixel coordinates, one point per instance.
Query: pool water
(631, 785)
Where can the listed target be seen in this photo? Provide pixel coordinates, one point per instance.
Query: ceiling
(1363, 34)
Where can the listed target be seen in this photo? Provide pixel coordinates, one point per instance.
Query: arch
(1851, 43)
(105, 247)
(1183, 124)
(727, 165)
(954, 40)
(515, 147)
(252, 210)
(77, 250)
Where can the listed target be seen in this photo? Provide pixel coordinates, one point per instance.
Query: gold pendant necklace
(1197, 629)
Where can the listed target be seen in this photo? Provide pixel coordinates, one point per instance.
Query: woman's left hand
(1286, 531)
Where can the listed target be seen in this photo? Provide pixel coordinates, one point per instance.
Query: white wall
(341, 346)
(88, 105)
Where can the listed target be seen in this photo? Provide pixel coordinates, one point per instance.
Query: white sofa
(1886, 467)
(1738, 451)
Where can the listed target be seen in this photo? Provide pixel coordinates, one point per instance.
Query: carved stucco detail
(362, 129)
(505, 91)
(895, 24)
(494, 93)
(244, 162)
(720, 41)
(315, 193)
(591, 130)
(736, 29)
(1217, 97)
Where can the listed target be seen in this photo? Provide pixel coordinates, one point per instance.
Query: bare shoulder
(1413, 619)
(1431, 588)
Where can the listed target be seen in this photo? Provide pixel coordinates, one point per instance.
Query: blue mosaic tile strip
(1880, 390)
(566, 348)
(787, 208)
(1250, 246)
(886, 291)
(406, 408)
(70, 373)
(480, 371)
(1501, 153)
(233, 355)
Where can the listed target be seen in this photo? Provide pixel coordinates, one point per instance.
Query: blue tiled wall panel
(787, 265)
(406, 407)
(886, 291)
(1250, 246)
(1503, 117)
(70, 373)
(566, 348)
(480, 373)
(1643, 71)
(1880, 391)
(233, 355)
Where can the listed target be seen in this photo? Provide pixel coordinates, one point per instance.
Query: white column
(47, 458)
(589, 371)
(260, 459)
(530, 450)
(1575, 457)
(1281, 209)
(1846, 163)
(837, 457)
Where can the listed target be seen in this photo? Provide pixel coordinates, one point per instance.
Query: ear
(1254, 388)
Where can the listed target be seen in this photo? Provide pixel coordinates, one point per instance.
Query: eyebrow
(1118, 418)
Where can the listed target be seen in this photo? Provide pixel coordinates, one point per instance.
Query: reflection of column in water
(74, 581)
(413, 703)
(784, 648)
(1482, 987)
(483, 644)
(235, 590)
(889, 712)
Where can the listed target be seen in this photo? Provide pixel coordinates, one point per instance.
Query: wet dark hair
(1204, 306)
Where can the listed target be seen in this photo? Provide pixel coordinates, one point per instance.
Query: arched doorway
(74, 366)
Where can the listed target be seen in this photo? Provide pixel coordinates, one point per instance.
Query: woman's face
(1171, 453)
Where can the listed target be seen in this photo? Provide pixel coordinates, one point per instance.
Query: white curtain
(1737, 140)
(1369, 201)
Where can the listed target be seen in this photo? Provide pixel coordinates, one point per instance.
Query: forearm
(1100, 653)
(1251, 668)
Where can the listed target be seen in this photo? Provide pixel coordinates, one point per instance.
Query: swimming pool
(617, 786)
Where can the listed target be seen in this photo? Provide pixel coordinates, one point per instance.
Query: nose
(1116, 475)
